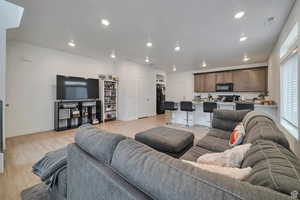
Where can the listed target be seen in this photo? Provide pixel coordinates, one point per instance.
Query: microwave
(224, 87)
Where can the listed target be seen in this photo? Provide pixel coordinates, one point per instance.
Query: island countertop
(233, 104)
(199, 117)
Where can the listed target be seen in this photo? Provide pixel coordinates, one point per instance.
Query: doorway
(145, 96)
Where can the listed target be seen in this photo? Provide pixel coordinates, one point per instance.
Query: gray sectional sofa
(112, 167)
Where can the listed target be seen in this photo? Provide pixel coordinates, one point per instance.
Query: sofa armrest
(227, 119)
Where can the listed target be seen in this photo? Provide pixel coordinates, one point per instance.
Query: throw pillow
(236, 173)
(229, 158)
(237, 135)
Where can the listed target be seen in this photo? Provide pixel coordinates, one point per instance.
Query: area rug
(37, 192)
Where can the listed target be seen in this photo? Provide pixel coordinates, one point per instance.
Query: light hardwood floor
(23, 151)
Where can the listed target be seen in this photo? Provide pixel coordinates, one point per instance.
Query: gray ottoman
(173, 142)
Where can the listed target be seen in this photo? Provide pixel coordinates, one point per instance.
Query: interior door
(146, 93)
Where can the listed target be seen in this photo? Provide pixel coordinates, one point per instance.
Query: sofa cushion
(213, 144)
(218, 133)
(236, 173)
(273, 166)
(229, 158)
(96, 142)
(260, 126)
(227, 119)
(91, 179)
(194, 153)
(166, 139)
(163, 177)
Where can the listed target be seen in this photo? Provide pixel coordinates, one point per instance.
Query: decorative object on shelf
(109, 77)
(102, 77)
(264, 99)
(263, 95)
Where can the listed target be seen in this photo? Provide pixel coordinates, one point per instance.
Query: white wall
(10, 15)
(180, 86)
(2, 63)
(274, 66)
(2, 88)
(31, 84)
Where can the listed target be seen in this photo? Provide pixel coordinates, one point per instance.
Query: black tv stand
(71, 114)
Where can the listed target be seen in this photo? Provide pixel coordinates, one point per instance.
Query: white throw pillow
(229, 158)
(236, 173)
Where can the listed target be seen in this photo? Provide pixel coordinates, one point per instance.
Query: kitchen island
(198, 117)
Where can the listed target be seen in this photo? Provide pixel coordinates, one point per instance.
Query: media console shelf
(72, 114)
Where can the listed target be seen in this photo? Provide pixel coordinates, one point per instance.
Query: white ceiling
(205, 29)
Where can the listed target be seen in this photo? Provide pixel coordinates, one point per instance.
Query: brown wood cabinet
(205, 82)
(244, 80)
(224, 77)
(210, 82)
(199, 83)
(250, 80)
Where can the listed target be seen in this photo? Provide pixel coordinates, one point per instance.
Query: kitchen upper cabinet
(223, 77)
(250, 80)
(227, 77)
(258, 80)
(210, 82)
(219, 77)
(240, 80)
(244, 80)
(204, 82)
(197, 83)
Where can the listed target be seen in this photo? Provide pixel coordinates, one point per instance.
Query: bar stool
(244, 106)
(187, 106)
(170, 106)
(209, 107)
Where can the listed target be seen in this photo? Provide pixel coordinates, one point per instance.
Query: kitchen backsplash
(243, 95)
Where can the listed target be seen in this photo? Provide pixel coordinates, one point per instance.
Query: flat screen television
(76, 88)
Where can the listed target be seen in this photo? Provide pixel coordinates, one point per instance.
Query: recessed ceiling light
(204, 64)
(147, 60)
(174, 68)
(149, 44)
(177, 48)
(71, 43)
(243, 38)
(113, 55)
(239, 15)
(246, 59)
(105, 22)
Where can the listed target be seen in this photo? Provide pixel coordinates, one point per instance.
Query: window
(290, 43)
(289, 83)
